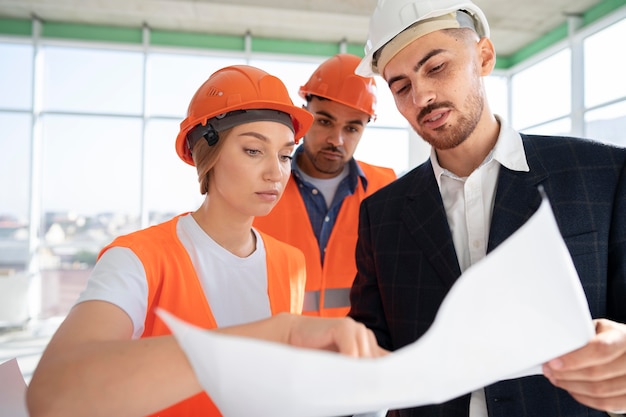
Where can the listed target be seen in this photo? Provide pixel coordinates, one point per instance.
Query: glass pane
(496, 87)
(604, 65)
(14, 190)
(16, 72)
(561, 127)
(174, 78)
(171, 185)
(542, 92)
(92, 80)
(393, 154)
(91, 165)
(607, 124)
(91, 171)
(15, 138)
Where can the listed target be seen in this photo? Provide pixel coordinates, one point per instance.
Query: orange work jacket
(327, 286)
(174, 286)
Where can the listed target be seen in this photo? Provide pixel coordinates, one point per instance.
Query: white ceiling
(514, 24)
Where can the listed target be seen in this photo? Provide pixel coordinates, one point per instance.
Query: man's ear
(487, 54)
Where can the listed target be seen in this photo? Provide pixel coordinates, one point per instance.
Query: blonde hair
(205, 157)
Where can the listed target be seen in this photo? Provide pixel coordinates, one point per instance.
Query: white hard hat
(391, 17)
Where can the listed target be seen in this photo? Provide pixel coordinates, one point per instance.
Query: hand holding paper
(519, 307)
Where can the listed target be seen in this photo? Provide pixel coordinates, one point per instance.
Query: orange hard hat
(335, 80)
(234, 89)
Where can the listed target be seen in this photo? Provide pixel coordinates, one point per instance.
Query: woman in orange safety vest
(112, 355)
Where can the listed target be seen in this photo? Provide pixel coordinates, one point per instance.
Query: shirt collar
(508, 151)
(355, 170)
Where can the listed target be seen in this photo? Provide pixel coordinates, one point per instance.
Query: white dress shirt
(468, 202)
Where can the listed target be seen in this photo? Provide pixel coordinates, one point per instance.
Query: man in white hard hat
(479, 186)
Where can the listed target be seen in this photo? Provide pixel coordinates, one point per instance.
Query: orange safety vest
(327, 286)
(174, 286)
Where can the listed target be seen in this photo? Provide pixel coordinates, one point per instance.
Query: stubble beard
(450, 136)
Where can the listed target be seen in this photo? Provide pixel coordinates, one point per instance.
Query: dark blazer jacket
(407, 262)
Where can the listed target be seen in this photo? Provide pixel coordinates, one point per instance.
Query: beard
(324, 165)
(450, 136)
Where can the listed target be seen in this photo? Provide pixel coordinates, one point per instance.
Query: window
(292, 73)
(174, 78)
(560, 127)
(91, 165)
(92, 80)
(16, 77)
(607, 124)
(604, 65)
(15, 165)
(497, 94)
(542, 92)
(90, 182)
(171, 185)
(384, 138)
(384, 147)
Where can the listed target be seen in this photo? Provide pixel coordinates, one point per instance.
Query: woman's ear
(487, 54)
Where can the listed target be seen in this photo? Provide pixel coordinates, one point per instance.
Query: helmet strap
(207, 132)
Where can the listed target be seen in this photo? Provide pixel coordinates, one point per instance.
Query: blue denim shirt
(322, 218)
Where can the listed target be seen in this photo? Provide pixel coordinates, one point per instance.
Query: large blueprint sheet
(519, 307)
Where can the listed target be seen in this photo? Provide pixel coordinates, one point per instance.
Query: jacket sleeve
(617, 251)
(365, 300)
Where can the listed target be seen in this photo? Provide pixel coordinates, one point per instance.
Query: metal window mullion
(578, 76)
(35, 213)
(144, 121)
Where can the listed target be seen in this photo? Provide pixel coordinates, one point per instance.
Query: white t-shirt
(327, 186)
(236, 288)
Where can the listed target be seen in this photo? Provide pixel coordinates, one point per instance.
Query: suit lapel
(517, 197)
(425, 219)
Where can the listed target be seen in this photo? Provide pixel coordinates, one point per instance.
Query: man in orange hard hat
(318, 212)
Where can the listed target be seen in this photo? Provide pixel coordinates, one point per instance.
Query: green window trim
(85, 32)
(16, 27)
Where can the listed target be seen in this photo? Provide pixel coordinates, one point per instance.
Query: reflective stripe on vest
(333, 298)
